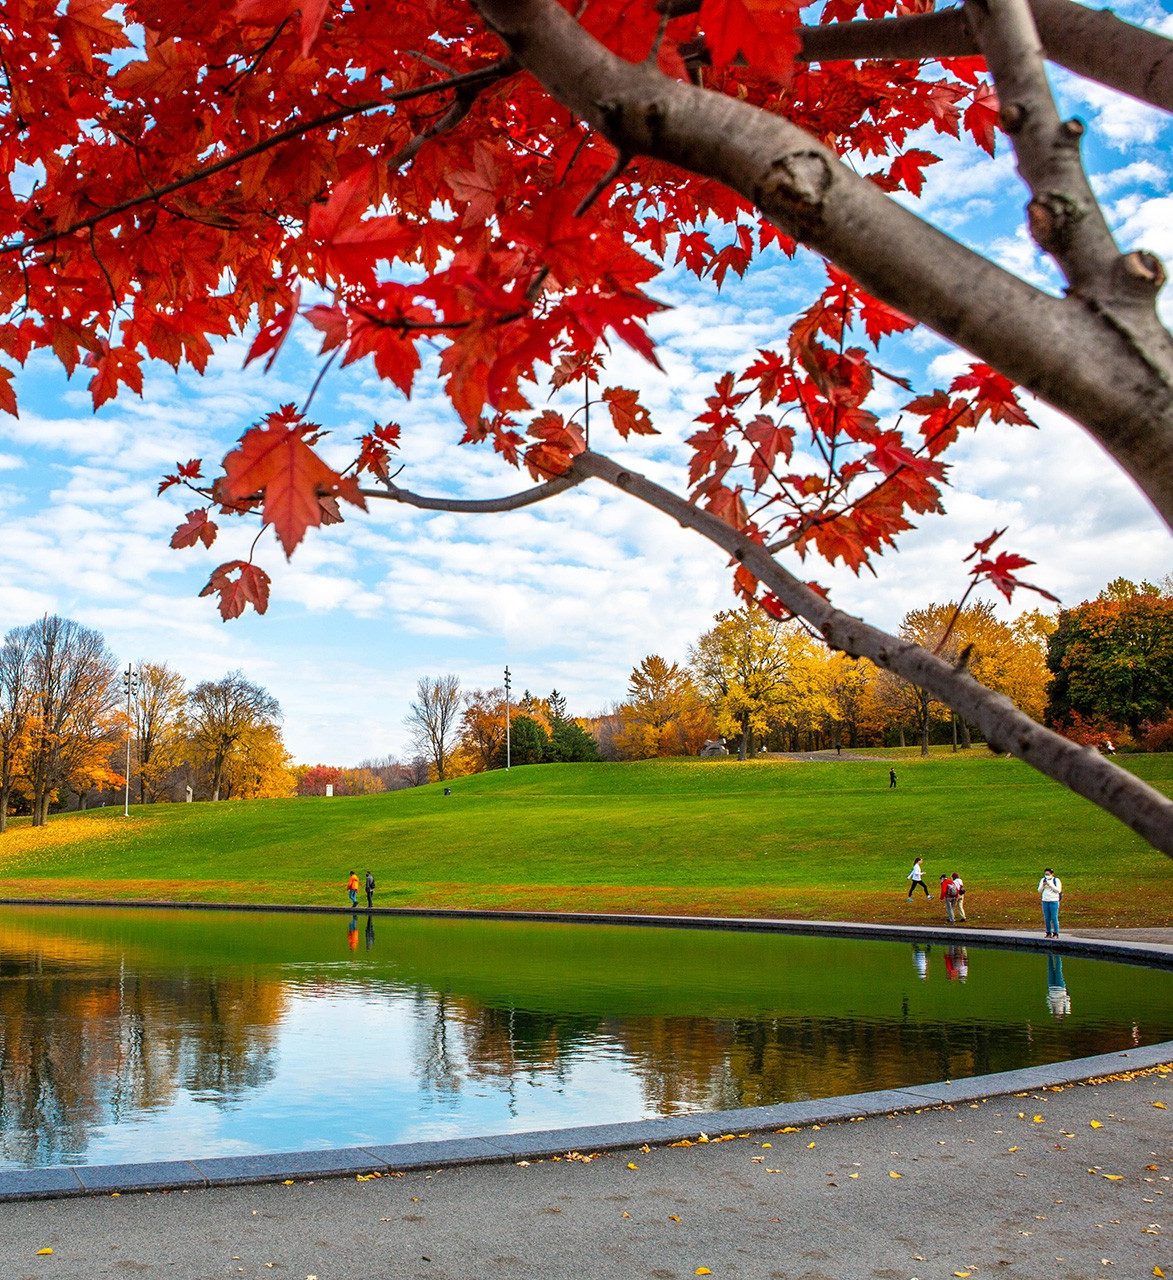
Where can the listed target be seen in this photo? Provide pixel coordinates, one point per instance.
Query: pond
(129, 1035)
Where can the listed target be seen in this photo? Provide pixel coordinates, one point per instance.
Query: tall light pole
(130, 684)
(508, 741)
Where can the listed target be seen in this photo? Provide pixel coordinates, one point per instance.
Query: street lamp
(508, 743)
(130, 684)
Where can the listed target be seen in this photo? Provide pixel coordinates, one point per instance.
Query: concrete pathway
(1070, 1183)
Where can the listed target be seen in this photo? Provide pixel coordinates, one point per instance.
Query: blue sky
(573, 593)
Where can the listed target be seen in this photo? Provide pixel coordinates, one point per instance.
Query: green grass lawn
(824, 839)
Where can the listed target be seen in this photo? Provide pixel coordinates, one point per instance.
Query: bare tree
(74, 681)
(433, 719)
(16, 708)
(157, 712)
(221, 713)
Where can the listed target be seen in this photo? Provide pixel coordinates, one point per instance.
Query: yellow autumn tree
(664, 714)
(758, 674)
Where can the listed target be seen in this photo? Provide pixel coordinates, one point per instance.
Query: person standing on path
(370, 886)
(1051, 894)
(352, 888)
(891, 778)
(959, 885)
(951, 896)
(917, 876)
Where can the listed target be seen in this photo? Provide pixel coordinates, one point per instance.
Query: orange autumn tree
(495, 185)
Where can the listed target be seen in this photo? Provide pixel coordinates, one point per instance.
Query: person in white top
(917, 876)
(1051, 894)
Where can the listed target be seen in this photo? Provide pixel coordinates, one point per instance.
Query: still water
(129, 1035)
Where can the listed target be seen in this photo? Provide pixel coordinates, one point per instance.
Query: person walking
(951, 899)
(1051, 894)
(352, 888)
(891, 778)
(370, 887)
(917, 876)
(959, 884)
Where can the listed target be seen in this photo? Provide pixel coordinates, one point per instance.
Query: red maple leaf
(196, 528)
(113, 365)
(272, 335)
(996, 395)
(250, 585)
(276, 462)
(627, 414)
(981, 116)
(555, 447)
(1000, 571)
(189, 470)
(907, 169)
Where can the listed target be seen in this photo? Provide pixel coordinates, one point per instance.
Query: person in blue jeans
(1051, 894)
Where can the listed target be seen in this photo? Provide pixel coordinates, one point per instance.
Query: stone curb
(217, 1171)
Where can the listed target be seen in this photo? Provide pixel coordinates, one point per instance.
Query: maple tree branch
(1005, 727)
(1093, 43)
(1064, 216)
(477, 506)
(485, 75)
(1109, 366)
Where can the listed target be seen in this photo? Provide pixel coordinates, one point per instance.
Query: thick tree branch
(1093, 43)
(1064, 216)
(477, 506)
(1114, 378)
(1003, 725)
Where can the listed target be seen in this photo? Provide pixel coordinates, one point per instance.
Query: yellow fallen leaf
(1011, 1148)
(523, 1164)
(1160, 1106)
(853, 1175)
(1095, 1124)
(626, 1214)
(702, 1137)
(115, 1194)
(790, 1128)
(632, 1165)
(963, 1274)
(674, 1217)
(1036, 1119)
(810, 1146)
(767, 1145)
(893, 1174)
(702, 1271)
(1157, 1271)
(1113, 1177)
(41, 1252)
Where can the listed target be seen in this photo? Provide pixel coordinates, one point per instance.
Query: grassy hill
(822, 839)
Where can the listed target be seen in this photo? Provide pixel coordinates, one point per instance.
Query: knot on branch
(1070, 132)
(1052, 218)
(1144, 273)
(1012, 117)
(795, 185)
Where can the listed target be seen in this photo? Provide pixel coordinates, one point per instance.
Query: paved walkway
(1071, 1184)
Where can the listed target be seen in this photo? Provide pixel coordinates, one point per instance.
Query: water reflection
(1058, 997)
(125, 1036)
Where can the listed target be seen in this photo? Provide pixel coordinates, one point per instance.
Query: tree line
(1101, 673)
(67, 712)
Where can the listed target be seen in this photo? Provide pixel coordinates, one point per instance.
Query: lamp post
(130, 684)
(508, 741)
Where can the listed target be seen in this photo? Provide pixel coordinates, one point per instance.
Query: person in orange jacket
(352, 888)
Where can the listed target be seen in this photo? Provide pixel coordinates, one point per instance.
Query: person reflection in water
(920, 958)
(1058, 999)
(956, 964)
(352, 933)
(370, 934)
